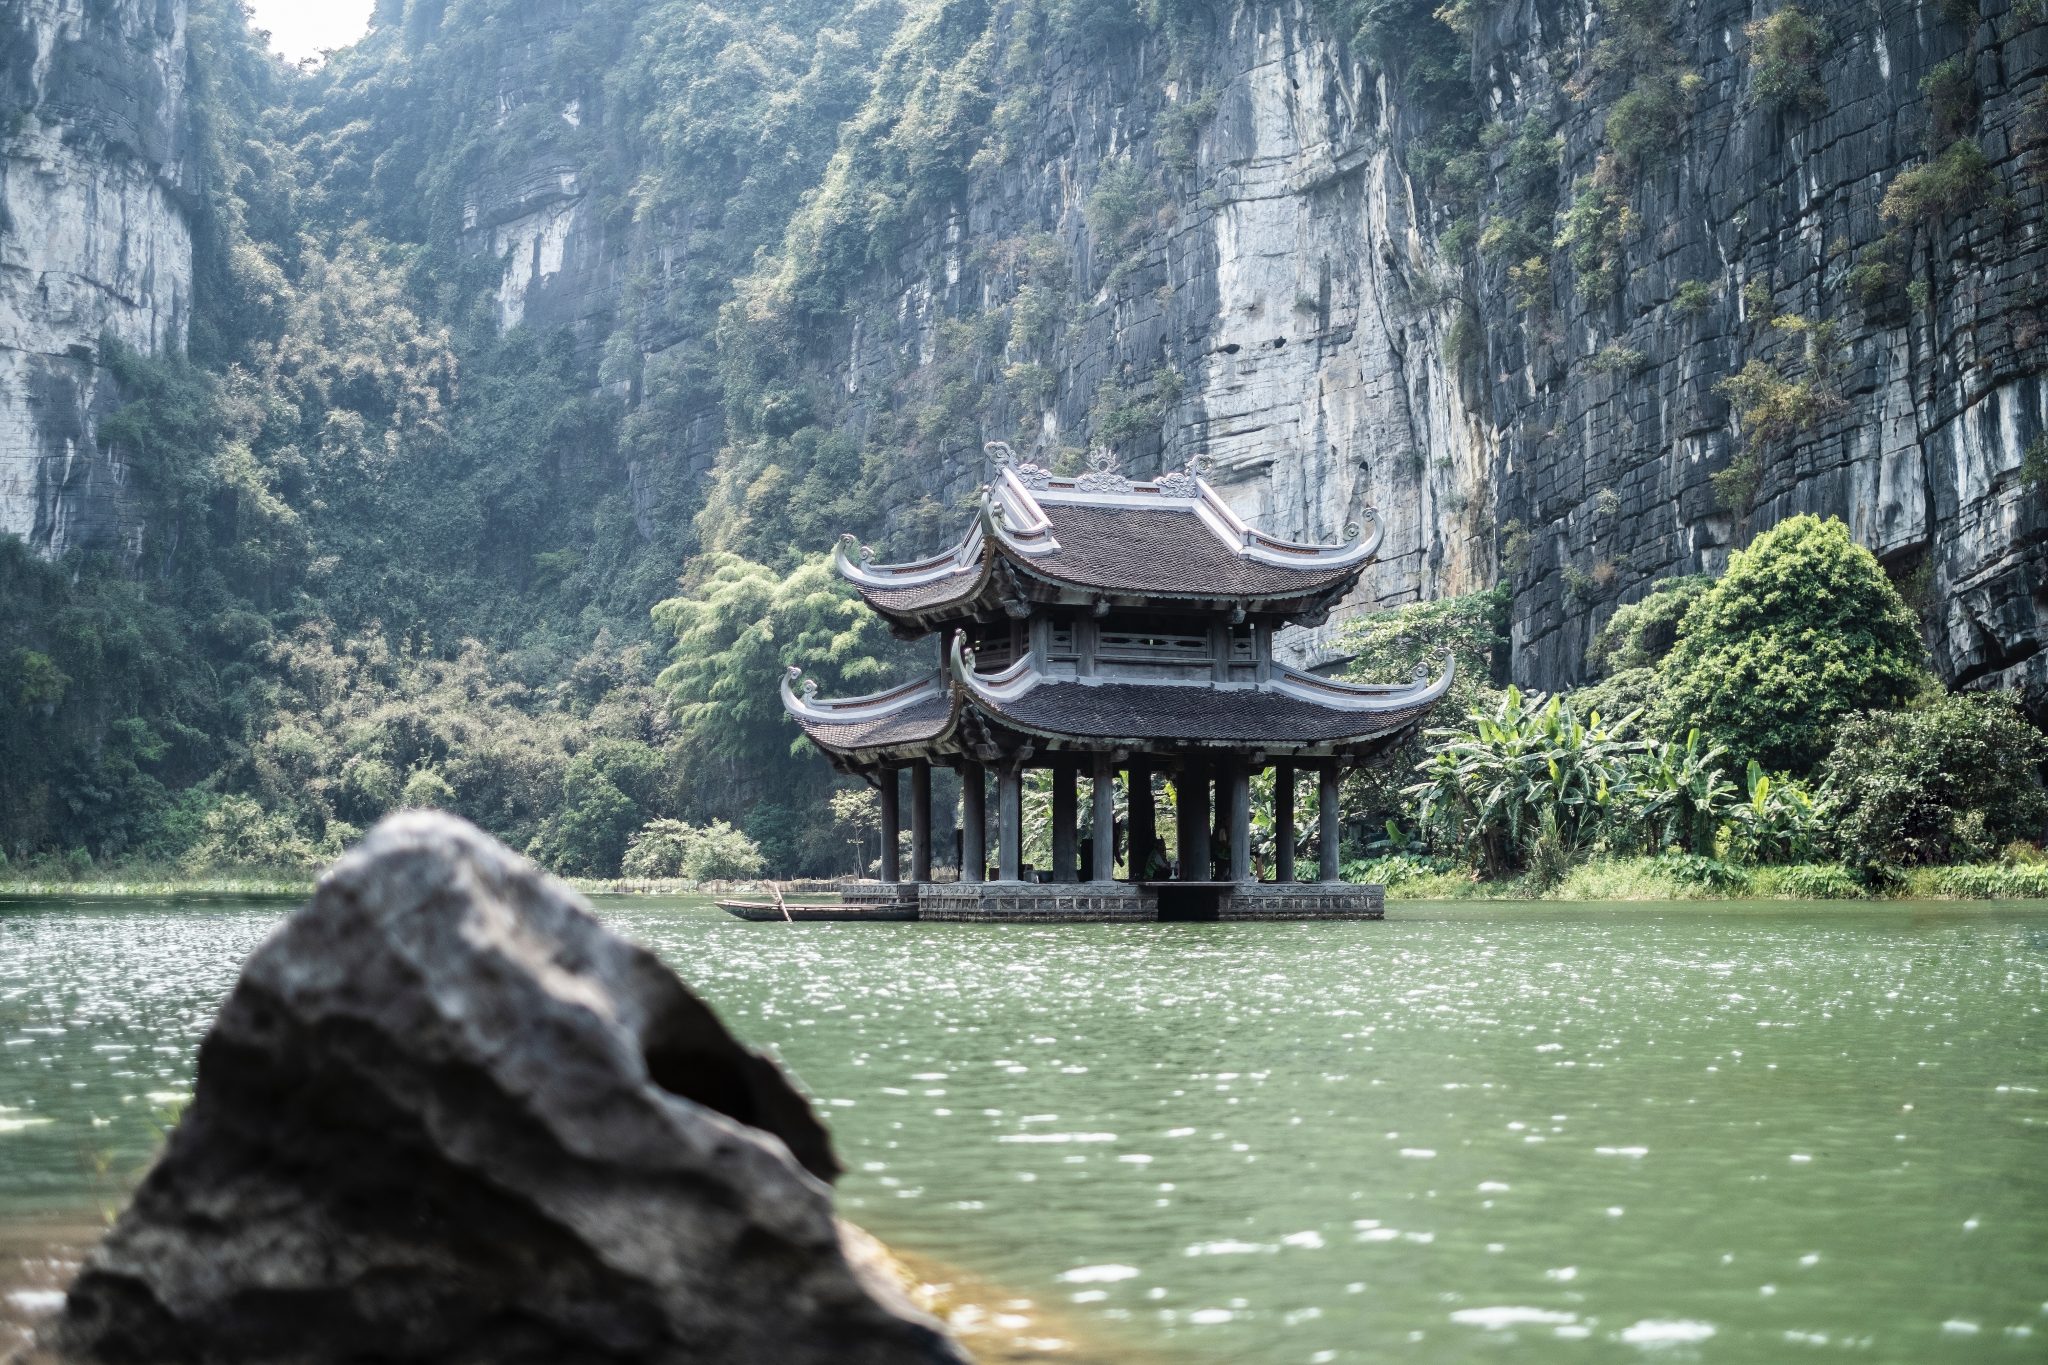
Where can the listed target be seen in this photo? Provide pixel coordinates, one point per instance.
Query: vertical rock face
(1275, 294)
(1938, 386)
(446, 1116)
(95, 241)
(1283, 305)
(1270, 309)
(1262, 315)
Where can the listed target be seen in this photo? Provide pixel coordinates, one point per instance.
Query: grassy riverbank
(1621, 880)
(1699, 879)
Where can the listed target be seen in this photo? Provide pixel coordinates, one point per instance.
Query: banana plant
(1777, 822)
(1680, 796)
(1529, 774)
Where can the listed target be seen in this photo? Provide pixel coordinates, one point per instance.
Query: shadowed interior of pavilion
(1119, 633)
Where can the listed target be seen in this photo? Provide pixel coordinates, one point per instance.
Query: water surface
(1539, 1133)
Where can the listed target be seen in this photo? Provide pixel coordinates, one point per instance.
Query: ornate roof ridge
(1030, 487)
(1366, 697)
(907, 718)
(855, 562)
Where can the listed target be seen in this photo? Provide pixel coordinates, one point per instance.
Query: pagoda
(1122, 630)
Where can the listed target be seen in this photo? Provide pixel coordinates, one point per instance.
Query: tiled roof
(923, 720)
(1166, 550)
(918, 597)
(1180, 713)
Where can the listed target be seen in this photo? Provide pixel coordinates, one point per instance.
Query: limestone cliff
(95, 242)
(1283, 297)
(1938, 354)
(1503, 310)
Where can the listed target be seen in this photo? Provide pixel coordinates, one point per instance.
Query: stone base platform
(1032, 903)
(878, 893)
(1124, 902)
(1305, 900)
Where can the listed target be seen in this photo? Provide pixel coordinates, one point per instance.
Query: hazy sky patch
(304, 28)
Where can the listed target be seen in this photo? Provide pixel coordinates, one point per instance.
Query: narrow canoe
(768, 910)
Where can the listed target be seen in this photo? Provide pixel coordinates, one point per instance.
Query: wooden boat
(760, 911)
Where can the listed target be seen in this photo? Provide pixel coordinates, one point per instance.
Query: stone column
(1144, 818)
(1009, 823)
(1326, 817)
(921, 821)
(973, 823)
(1066, 818)
(1192, 805)
(1105, 822)
(1239, 781)
(1283, 823)
(892, 826)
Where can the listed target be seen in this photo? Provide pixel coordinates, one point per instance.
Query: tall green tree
(737, 627)
(1951, 781)
(1802, 631)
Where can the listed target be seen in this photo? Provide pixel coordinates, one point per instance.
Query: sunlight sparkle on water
(1535, 1134)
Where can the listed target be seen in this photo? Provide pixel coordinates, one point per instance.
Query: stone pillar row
(1230, 782)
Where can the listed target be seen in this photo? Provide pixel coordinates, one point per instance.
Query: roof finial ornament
(1027, 472)
(865, 554)
(1186, 482)
(1104, 474)
(810, 685)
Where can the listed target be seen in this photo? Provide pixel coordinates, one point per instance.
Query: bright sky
(303, 28)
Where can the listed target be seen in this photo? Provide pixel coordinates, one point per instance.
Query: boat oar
(776, 887)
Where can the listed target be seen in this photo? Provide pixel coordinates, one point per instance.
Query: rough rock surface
(1293, 278)
(446, 1116)
(95, 241)
(1291, 275)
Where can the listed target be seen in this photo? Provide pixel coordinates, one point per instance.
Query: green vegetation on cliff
(414, 537)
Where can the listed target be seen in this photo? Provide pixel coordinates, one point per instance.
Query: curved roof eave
(948, 563)
(876, 708)
(1362, 543)
(897, 595)
(993, 694)
(1366, 698)
(840, 710)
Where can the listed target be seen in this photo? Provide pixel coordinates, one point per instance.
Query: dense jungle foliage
(1778, 714)
(408, 549)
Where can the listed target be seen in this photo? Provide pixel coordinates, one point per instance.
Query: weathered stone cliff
(1280, 297)
(95, 242)
(1491, 311)
(1937, 386)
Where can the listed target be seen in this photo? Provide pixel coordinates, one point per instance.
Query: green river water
(1537, 1133)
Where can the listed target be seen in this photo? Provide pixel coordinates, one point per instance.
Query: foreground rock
(446, 1116)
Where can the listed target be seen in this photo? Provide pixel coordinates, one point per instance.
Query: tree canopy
(1802, 631)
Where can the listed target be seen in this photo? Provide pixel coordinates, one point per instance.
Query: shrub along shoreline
(1771, 732)
(1640, 881)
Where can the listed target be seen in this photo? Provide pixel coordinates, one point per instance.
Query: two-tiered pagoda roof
(1104, 615)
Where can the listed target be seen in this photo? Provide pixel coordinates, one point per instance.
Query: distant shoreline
(283, 886)
(1620, 881)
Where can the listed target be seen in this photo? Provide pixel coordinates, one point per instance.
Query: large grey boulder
(447, 1116)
